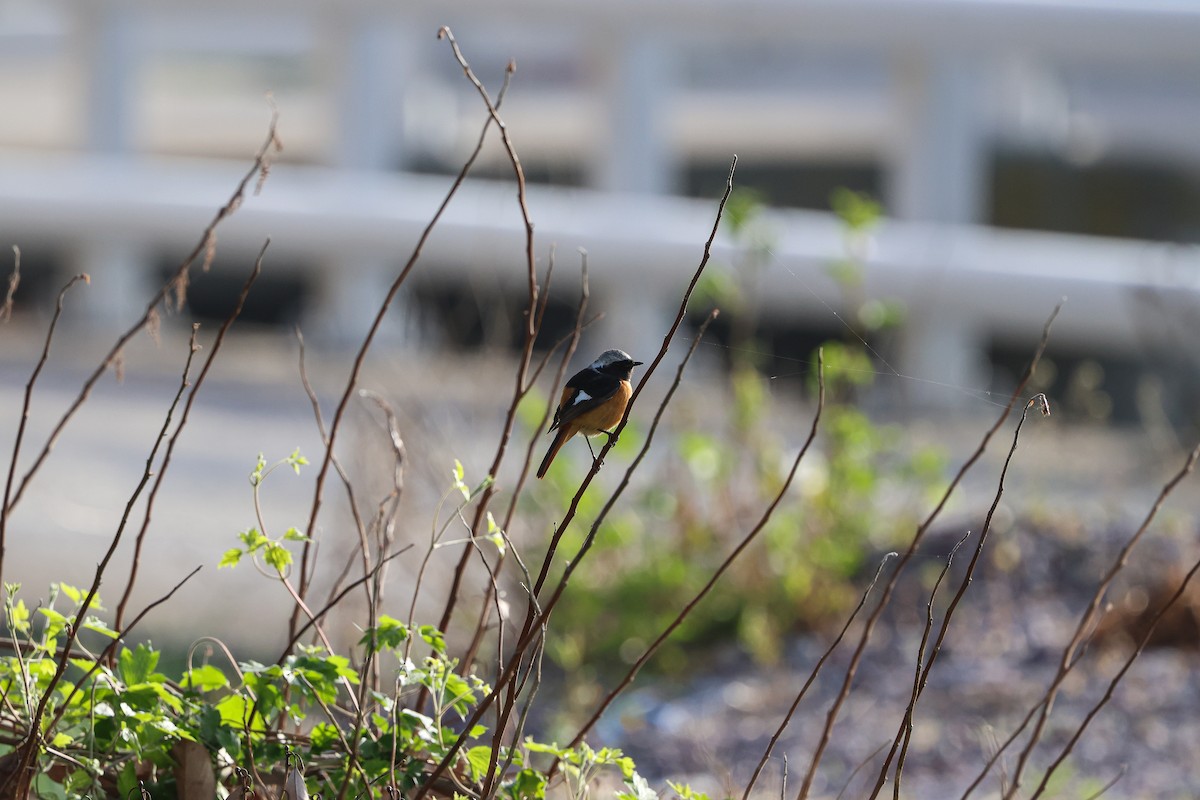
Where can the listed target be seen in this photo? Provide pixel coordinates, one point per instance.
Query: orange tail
(560, 439)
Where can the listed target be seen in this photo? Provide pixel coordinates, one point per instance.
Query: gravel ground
(1002, 652)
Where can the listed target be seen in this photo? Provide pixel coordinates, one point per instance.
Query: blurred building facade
(1023, 151)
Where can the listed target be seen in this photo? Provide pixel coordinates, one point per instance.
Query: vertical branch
(906, 726)
(535, 618)
(812, 677)
(14, 280)
(572, 341)
(364, 547)
(9, 502)
(183, 419)
(914, 544)
(306, 570)
(175, 285)
(729, 560)
(1068, 657)
(532, 319)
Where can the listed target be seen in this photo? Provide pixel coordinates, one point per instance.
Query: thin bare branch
(812, 677)
(14, 280)
(914, 544)
(533, 315)
(1067, 661)
(178, 278)
(535, 619)
(9, 500)
(240, 303)
(306, 571)
(749, 538)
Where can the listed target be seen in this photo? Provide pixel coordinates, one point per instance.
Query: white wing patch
(580, 397)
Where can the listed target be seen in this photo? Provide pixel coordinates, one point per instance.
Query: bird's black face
(622, 368)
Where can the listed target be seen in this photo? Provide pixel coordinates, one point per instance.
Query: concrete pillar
(122, 284)
(635, 77)
(109, 57)
(347, 296)
(943, 348)
(939, 164)
(369, 57)
(634, 322)
(939, 173)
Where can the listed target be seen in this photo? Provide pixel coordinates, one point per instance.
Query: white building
(1023, 150)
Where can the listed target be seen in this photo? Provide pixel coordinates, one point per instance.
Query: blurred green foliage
(718, 464)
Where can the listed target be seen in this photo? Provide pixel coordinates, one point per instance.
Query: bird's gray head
(616, 361)
(611, 358)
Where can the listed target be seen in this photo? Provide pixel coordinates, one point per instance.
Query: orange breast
(608, 415)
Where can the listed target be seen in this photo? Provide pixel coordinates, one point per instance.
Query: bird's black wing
(586, 390)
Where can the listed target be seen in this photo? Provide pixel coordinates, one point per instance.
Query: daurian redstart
(593, 401)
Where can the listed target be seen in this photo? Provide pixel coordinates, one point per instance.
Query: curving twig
(533, 314)
(174, 286)
(14, 280)
(183, 419)
(812, 677)
(914, 544)
(535, 619)
(729, 560)
(7, 506)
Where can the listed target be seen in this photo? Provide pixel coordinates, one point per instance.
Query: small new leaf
(277, 556)
(296, 460)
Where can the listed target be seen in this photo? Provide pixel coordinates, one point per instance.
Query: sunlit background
(1021, 152)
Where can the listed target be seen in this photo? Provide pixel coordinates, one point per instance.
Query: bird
(593, 401)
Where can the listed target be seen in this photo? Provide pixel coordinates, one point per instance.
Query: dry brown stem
(914, 544)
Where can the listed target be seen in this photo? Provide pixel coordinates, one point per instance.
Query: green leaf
(686, 792)
(253, 538)
(458, 480)
(433, 637)
(858, 210)
(640, 789)
(55, 623)
(277, 556)
(137, 665)
(389, 634)
(206, 678)
(478, 759)
(528, 785)
(296, 460)
(324, 737)
(75, 594)
(127, 780)
(234, 711)
(495, 534)
(551, 749)
(94, 624)
(257, 475)
(18, 616)
(231, 557)
(294, 535)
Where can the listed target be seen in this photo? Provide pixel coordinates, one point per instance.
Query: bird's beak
(638, 363)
